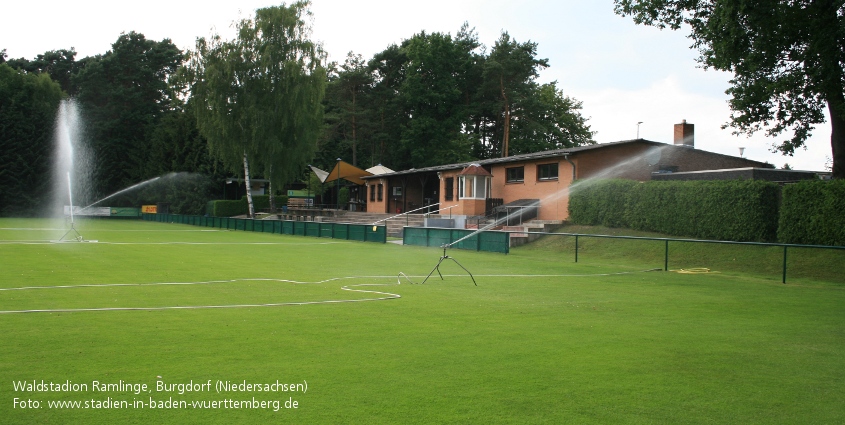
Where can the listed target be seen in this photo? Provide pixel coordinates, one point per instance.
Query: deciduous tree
(60, 65)
(432, 94)
(259, 96)
(124, 95)
(548, 119)
(787, 58)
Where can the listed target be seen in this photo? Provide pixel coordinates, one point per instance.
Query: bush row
(223, 208)
(813, 212)
(742, 210)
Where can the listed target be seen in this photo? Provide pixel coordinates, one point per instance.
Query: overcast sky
(623, 73)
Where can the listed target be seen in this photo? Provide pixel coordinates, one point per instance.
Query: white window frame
(479, 185)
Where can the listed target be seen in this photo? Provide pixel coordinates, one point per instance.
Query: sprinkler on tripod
(78, 237)
(444, 257)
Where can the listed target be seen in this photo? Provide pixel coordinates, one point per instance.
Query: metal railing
(667, 240)
(441, 209)
(405, 214)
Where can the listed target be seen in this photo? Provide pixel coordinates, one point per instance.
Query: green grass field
(541, 339)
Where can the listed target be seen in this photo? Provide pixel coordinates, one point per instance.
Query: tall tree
(432, 93)
(124, 94)
(388, 69)
(510, 71)
(787, 57)
(548, 119)
(28, 105)
(347, 107)
(60, 65)
(259, 96)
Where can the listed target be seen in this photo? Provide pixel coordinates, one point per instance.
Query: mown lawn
(540, 339)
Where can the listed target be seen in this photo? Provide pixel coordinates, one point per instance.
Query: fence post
(666, 257)
(784, 264)
(576, 248)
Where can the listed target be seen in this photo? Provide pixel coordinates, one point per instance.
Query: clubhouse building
(541, 180)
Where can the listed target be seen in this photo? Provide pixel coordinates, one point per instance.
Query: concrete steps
(535, 226)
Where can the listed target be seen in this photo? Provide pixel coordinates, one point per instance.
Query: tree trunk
(826, 43)
(272, 198)
(506, 132)
(354, 130)
(272, 194)
(251, 211)
(837, 138)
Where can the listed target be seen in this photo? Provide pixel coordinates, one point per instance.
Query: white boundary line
(384, 295)
(47, 229)
(51, 242)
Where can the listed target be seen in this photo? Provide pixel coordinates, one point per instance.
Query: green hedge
(741, 210)
(262, 202)
(222, 208)
(600, 203)
(813, 212)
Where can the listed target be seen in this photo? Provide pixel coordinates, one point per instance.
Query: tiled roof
(475, 170)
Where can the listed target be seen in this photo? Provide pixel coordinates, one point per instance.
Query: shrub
(223, 208)
(812, 213)
(742, 210)
(599, 202)
(262, 202)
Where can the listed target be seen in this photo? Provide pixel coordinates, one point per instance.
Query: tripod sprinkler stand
(70, 197)
(78, 236)
(447, 257)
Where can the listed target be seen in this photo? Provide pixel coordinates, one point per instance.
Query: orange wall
(553, 194)
(459, 206)
(627, 161)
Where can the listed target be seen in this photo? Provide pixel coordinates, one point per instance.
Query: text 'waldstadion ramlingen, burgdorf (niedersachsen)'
(94, 390)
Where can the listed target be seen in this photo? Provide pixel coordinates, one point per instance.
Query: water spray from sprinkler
(123, 191)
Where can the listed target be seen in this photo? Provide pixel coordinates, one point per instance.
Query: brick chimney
(685, 134)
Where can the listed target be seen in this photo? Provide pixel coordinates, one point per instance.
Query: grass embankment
(804, 265)
(580, 345)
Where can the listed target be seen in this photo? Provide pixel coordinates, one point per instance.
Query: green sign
(300, 194)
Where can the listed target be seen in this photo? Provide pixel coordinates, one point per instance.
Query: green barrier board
(355, 232)
(491, 241)
(326, 230)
